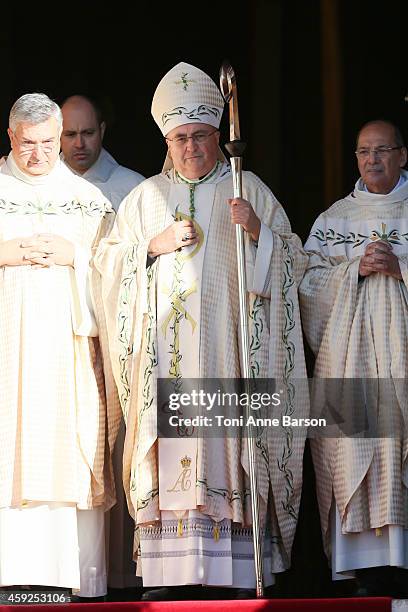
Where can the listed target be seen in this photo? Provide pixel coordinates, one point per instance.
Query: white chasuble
(54, 466)
(357, 328)
(201, 536)
(178, 324)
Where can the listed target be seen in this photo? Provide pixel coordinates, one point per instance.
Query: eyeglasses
(198, 138)
(29, 147)
(380, 152)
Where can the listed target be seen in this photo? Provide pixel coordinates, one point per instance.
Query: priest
(355, 313)
(55, 468)
(170, 290)
(82, 136)
(82, 151)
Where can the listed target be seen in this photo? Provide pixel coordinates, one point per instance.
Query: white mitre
(186, 95)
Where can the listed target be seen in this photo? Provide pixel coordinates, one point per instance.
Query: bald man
(82, 151)
(354, 297)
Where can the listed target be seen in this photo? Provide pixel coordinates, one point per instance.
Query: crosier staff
(236, 148)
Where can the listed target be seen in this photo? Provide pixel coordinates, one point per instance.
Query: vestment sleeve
(275, 239)
(96, 225)
(328, 289)
(120, 261)
(275, 268)
(83, 317)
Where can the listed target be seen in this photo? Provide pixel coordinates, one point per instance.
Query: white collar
(216, 174)
(101, 171)
(398, 194)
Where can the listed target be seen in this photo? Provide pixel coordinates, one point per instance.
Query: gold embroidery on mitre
(185, 82)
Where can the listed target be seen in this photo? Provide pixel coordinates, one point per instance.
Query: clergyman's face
(36, 146)
(81, 140)
(191, 158)
(380, 174)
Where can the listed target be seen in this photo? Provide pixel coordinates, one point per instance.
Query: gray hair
(34, 108)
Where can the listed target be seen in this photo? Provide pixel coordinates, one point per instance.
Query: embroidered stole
(178, 325)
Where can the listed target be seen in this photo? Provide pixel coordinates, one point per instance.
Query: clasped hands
(378, 257)
(39, 251)
(183, 233)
